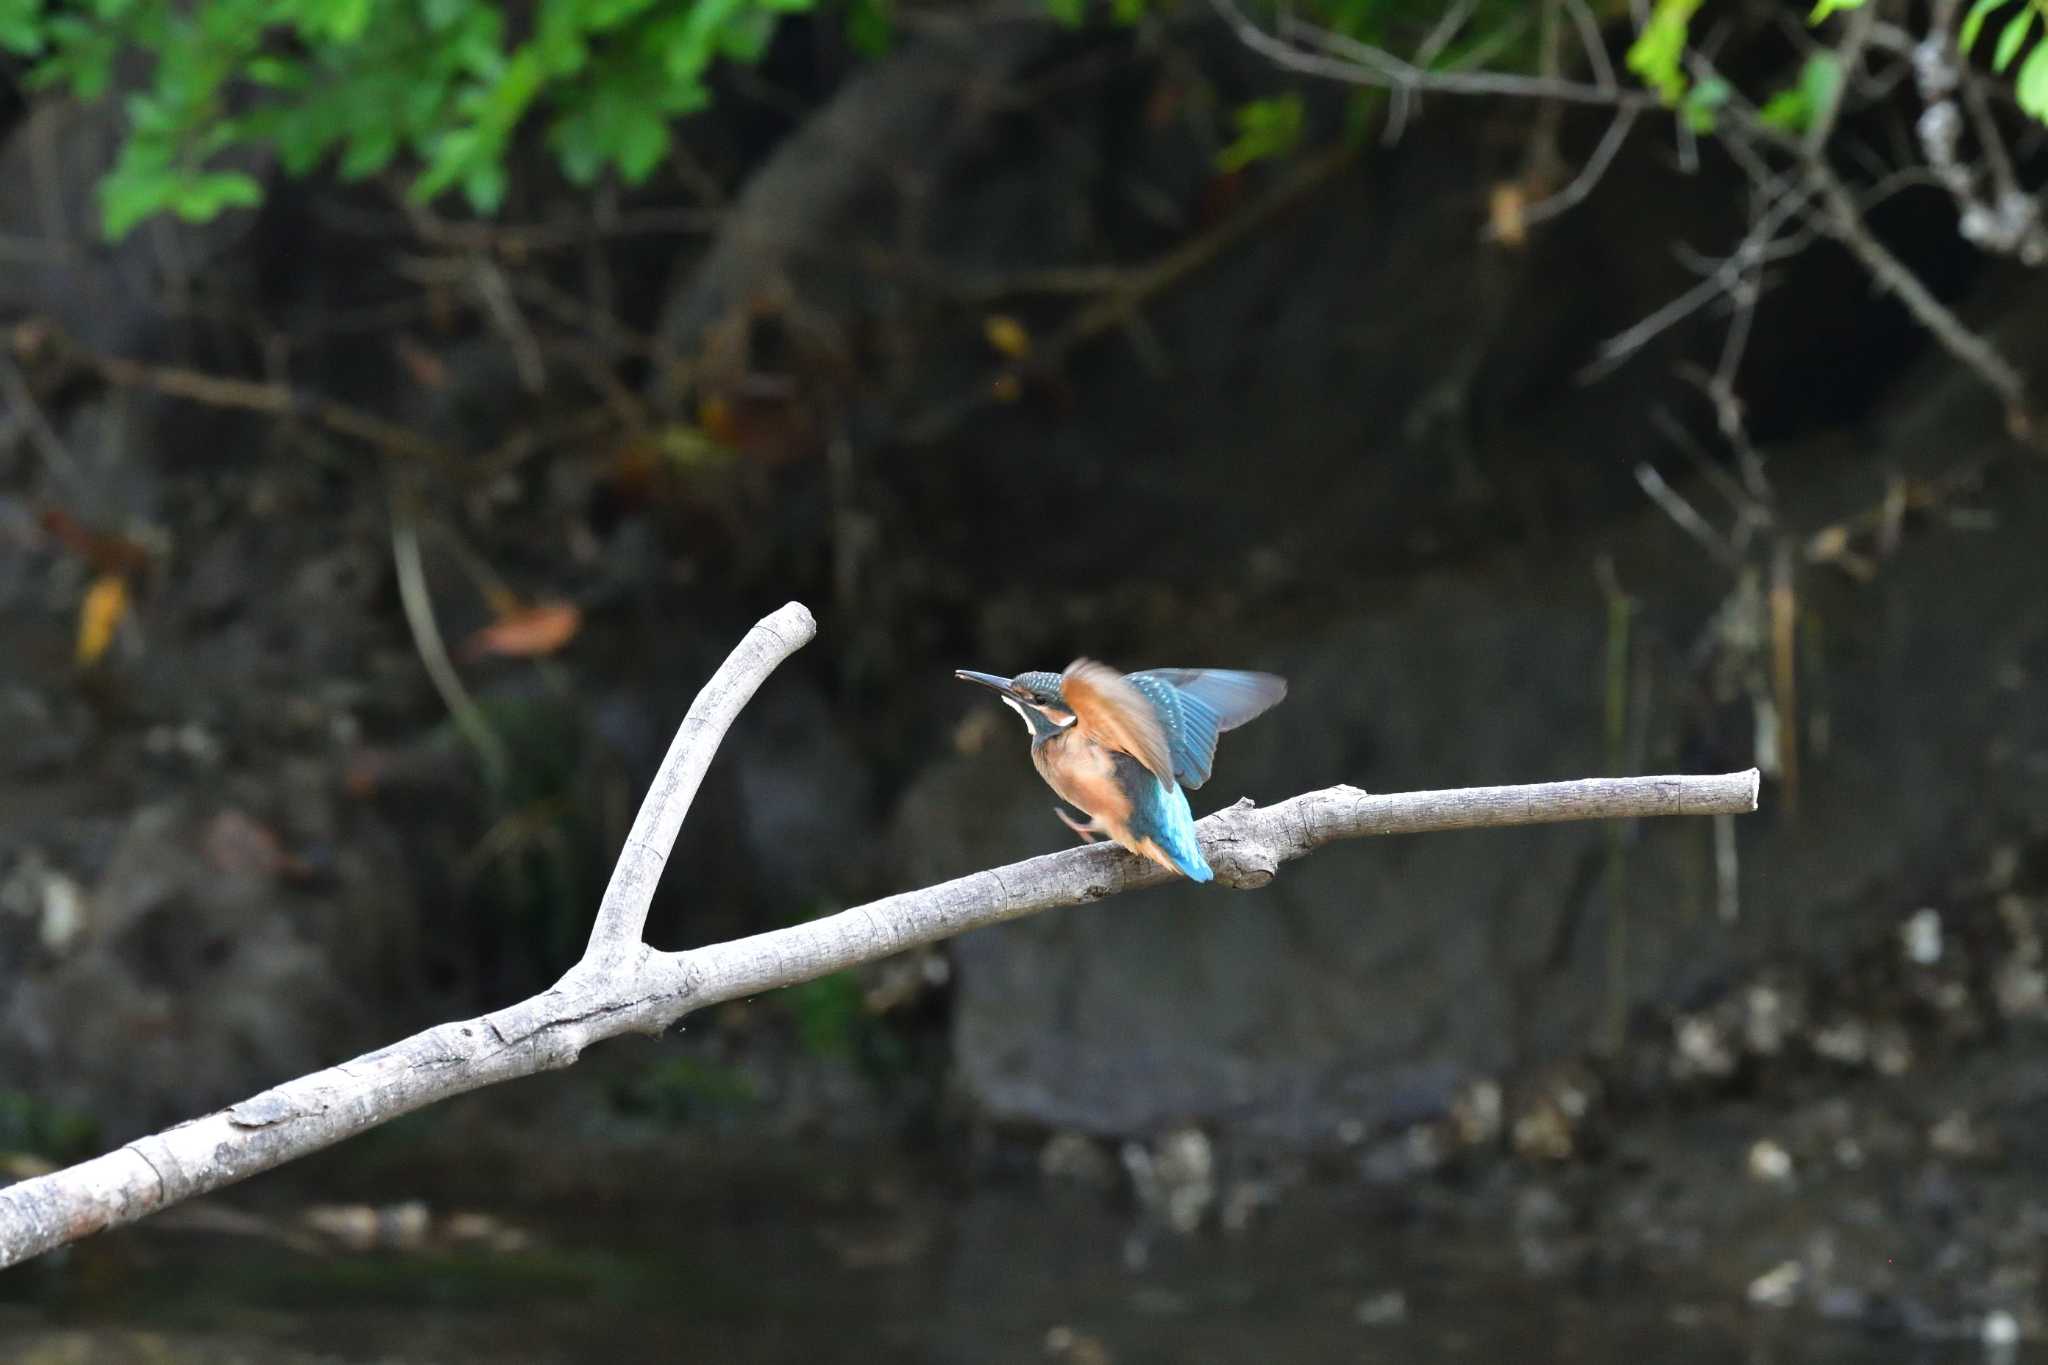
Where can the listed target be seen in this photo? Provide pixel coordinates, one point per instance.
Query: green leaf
(1265, 129)
(2032, 87)
(747, 37)
(127, 199)
(1789, 111)
(1821, 80)
(202, 198)
(1794, 111)
(1823, 8)
(443, 14)
(370, 150)
(484, 186)
(1702, 104)
(1068, 12)
(346, 19)
(1658, 53)
(868, 27)
(21, 27)
(1361, 112)
(642, 144)
(2010, 41)
(1973, 22)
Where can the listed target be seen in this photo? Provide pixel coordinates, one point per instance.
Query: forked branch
(622, 986)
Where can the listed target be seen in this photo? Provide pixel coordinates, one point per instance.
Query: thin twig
(418, 604)
(1355, 63)
(1685, 514)
(622, 986)
(1589, 175)
(244, 395)
(22, 399)
(1132, 288)
(1845, 223)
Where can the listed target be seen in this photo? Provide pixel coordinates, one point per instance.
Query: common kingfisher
(1122, 746)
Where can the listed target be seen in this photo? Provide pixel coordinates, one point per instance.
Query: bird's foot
(1088, 832)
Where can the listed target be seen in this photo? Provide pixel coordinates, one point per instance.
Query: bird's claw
(1088, 832)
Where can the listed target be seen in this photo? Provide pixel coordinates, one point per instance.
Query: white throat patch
(1058, 723)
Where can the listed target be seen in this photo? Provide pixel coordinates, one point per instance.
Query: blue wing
(1195, 705)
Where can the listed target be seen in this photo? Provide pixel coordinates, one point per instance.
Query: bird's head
(1034, 696)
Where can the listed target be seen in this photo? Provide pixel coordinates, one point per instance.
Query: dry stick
(245, 395)
(623, 986)
(1126, 289)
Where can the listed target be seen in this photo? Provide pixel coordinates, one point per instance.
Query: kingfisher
(1124, 746)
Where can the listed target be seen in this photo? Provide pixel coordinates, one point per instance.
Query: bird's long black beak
(988, 680)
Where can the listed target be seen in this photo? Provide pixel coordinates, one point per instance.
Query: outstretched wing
(1195, 705)
(1117, 714)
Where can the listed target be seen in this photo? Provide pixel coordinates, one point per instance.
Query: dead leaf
(1007, 335)
(1784, 606)
(428, 370)
(364, 771)
(106, 603)
(107, 554)
(236, 842)
(527, 632)
(1163, 105)
(1006, 388)
(1506, 212)
(717, 420)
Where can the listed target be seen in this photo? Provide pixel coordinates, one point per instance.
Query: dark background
(1604, 1081)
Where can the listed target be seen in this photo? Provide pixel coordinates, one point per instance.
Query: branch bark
(622, 986)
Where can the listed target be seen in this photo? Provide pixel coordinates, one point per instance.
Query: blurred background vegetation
(405, 403)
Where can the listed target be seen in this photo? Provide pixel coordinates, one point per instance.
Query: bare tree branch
(622, 915)
(1348, 60)
(622, 986)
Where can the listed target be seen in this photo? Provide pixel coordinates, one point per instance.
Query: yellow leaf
(1510, 228)
(1006, 335)
(105, 604)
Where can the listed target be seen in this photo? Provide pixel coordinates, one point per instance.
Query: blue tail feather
(1171, 825)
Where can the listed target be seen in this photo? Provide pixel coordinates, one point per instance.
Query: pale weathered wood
(622, 986)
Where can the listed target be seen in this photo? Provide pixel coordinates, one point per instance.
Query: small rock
(1700, 1049)
(55, 903)
(1244, 1201)
(2000, 1333)
(1842, 1303)
(1077, 1158)
(1958, 1135)
(64, 913)
(1920, 938)
(1177, 1179)
(2021, 989)
(1064, 1343)
(1477, 1113)
(352, 1225)
(1764, 1023)
(192, 742)
(1778, 1287)
(1543, 1133)
(1847, 1042)
(1769, 1162)
(1893, 1052)
(1426, 1147)
(1388, 1308)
